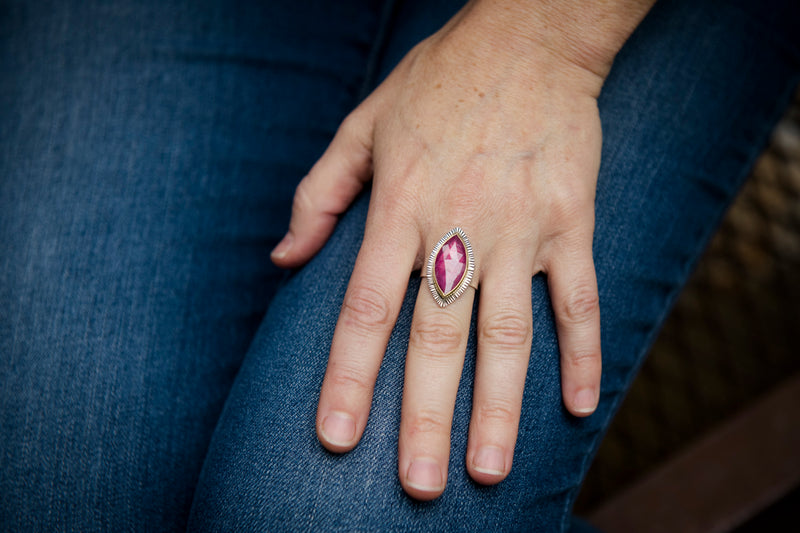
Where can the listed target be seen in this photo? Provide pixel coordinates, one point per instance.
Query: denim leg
(688, 106)
(149, 152)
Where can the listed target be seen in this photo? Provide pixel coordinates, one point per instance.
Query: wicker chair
(709, 434)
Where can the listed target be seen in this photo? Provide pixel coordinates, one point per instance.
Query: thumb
(328, 189)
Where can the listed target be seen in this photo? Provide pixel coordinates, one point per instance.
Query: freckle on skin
(481, 95)
(438, 85)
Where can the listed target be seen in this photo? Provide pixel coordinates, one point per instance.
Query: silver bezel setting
(446, 299)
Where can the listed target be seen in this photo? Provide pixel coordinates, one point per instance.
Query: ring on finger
(450, 267)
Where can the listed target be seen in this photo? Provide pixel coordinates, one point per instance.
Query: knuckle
(426, 423)
(518, 206)
(581, 305)
(569, 202)
(365, 308)
(353, 120)
(437, 338)
(568, 193)
(349, 379)
(583, 359)
(469, 198)
(398, 202)
(463, 200)
(302, 202)
(506, 330)
(496, 412)
(352, 129)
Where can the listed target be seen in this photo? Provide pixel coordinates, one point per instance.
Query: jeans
(156, 372)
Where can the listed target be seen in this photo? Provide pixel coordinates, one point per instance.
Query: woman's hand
(491, 124)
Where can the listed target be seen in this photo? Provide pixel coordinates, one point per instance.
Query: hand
(499, 135)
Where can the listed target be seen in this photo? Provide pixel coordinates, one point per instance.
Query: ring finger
(435, 358)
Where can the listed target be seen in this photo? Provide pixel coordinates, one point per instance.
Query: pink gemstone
(450, 265)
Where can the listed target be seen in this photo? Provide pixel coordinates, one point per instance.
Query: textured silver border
(446, 299)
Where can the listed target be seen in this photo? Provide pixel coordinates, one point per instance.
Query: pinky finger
(573, 290)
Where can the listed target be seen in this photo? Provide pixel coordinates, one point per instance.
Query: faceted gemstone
(450, 265)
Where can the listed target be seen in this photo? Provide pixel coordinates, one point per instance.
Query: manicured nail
(425, 474)
(490, 460)
(339, 428)
(283, 247)
(585, 401)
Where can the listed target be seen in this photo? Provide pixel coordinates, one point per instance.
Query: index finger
(369, 312)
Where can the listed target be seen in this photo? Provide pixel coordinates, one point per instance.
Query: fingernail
(339, 428)
(283, 247)
(425, 474)
(490, 460)
(585, 401)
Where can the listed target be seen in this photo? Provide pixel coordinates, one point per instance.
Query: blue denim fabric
(148, 155)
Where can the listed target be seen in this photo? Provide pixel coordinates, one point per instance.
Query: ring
(450, 267)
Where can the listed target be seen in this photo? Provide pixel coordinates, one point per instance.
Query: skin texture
(491, 124)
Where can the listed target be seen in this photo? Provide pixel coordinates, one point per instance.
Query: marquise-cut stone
(450, 265)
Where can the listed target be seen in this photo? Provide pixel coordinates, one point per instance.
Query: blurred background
(729, 344)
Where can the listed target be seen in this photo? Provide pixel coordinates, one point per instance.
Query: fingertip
(336, 431)
(489, 465)
(583, 402)
(306, 236)
(279, 253)
(424, 479)
(581, 375)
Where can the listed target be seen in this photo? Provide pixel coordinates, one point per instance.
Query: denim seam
(757, 148)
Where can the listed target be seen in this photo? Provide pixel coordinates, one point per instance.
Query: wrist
(581, 34)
